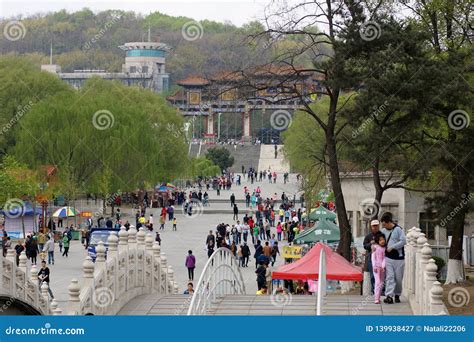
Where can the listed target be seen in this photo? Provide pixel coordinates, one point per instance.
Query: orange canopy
(307, 268)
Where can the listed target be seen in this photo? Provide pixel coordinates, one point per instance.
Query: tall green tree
(105, 128)
(22, 86)
(451, 132)
(221, 157)
(399, 80)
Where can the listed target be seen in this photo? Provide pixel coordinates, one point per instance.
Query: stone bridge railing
(21, 283)
(420, 284)
(134, 266)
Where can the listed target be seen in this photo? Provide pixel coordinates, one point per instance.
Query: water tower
(146, 60)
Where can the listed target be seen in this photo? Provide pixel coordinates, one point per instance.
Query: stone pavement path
(252, 305)
(191, 234)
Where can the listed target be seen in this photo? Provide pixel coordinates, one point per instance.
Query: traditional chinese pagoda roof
(193, 80)
(267, 70)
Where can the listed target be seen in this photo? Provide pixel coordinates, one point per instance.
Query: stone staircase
(246, 155)
(268, 161)
(281, 305)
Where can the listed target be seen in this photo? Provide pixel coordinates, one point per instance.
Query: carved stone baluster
(426, 254)
(45, 295)
(74, 305)
(436, 300)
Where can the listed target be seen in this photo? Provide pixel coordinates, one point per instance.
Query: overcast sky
(238, 12)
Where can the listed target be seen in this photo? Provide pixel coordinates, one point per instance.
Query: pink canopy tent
(307, 268)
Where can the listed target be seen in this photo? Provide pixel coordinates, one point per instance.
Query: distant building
(144, 66)
(244, 106)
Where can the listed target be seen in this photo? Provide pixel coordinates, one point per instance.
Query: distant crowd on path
(42, 245)
(386, 258)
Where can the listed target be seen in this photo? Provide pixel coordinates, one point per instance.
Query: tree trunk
(104, 206)
(344, 247)
(455, 271)
(23, 225)
(378, 189)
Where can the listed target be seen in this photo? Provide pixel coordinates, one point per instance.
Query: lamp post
(219, 126)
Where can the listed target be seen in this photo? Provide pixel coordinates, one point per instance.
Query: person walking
(275, 252)
(43, 277)
(378, 264)
(158, 238)
(190, 263)
(41, 240)
(232, 200)
(279, 229)
(18, 249)
(369, 241)
(245, 231)
(236, 212)
(258, 252)
(267, 250)
(7, 243)
(150, 223)
(170, 211)
(33, 250)
(65, 245)
(395, 258)
(261, 275)
(175, 224)
(49, 248)
(162, 222)
(245, 254)
(267, 230)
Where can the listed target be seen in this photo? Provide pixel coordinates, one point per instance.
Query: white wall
(405, 205)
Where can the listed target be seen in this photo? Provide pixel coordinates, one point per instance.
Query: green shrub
(440, 263)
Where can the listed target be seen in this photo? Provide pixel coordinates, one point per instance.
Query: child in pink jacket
(378, 265)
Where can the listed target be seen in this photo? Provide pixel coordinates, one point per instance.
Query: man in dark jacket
(261, 270)
(245, 255)
(368, 242)
(236, 212)
(258, 252)
(232, 200)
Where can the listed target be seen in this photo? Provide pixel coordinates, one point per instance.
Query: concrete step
(268, 161)
(252, 305)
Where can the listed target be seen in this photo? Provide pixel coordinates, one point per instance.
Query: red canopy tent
(307, 268)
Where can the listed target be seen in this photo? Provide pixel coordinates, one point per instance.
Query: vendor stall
(322, 231)
(321, 213)
(307, 268)
(21, 220)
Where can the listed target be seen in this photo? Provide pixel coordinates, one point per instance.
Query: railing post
(45, 295)
(408, 271)
(420, 242)
(436, 299)
(74, 306)
(170, 282)
(9, 272)
(425, 257)
(430, 278)
(413, 270)
(164, 273)
(88, 268)
(112, 263)
(36, 293)
(156, 268)
(132, 258)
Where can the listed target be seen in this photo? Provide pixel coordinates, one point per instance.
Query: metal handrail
(221, 276)
(321, 282)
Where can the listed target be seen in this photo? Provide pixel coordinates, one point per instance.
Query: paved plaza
(191, 234)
